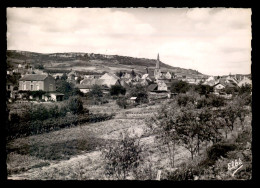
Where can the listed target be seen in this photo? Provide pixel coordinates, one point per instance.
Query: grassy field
(74, 153)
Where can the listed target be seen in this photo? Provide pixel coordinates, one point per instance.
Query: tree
(39, 66)
(245, 89)
(179, 87)
(119, 74)
(133, 73)
(163, 124)
(67, 89)
(204, 89)
(231, 90)
(117, 89)
(122, 157)
(187, 128)
(75, 105)
(140, 92)
(79, 79)
(96, 92)
(64, 76)
(121, 102)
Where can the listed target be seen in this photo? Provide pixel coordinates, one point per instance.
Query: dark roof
(34, 77)
(92, 81)
(152, 87)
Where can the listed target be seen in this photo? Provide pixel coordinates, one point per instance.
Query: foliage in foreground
(123, 157)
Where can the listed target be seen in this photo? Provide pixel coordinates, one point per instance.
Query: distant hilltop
(92, 62)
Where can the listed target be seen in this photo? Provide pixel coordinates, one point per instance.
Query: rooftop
(34, 77)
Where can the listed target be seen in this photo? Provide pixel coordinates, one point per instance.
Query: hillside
(89, 62)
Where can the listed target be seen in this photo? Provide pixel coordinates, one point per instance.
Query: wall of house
(49, 84)
(33, 83)
(162, 87)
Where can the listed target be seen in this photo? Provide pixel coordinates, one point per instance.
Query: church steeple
(158, 62)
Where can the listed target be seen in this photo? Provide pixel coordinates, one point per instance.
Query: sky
(214, 41)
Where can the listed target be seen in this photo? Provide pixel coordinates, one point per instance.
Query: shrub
(122, 157)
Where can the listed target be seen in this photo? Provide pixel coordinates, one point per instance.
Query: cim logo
(235, 165)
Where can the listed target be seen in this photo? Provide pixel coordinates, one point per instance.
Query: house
(110, 79)
(34, 82)
(144, 82)
(152, 87)
(244, 82)
(164, 86)
(57, 75)
(132, 100)
(9, 72)
(91, 82)
(210, 81)
(127, 75)
(218, 87)
(232, 80)
(124, 84)
(137, 78)
(84, 88)
(87, 85)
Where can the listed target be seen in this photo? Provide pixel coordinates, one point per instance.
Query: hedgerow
(26, 128)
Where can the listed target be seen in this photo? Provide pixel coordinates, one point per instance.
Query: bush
(122, 157)
(216, 151)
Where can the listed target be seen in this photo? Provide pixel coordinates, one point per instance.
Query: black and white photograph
(128, 93)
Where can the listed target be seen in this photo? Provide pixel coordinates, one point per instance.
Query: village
(128, 94)
(157, 82)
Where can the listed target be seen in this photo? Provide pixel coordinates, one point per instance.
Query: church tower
(158, 62)
(157, 70)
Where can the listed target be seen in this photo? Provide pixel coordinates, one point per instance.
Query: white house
(218, 87)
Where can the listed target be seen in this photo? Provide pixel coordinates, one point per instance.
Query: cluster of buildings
(221, 83)
(155, 80)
